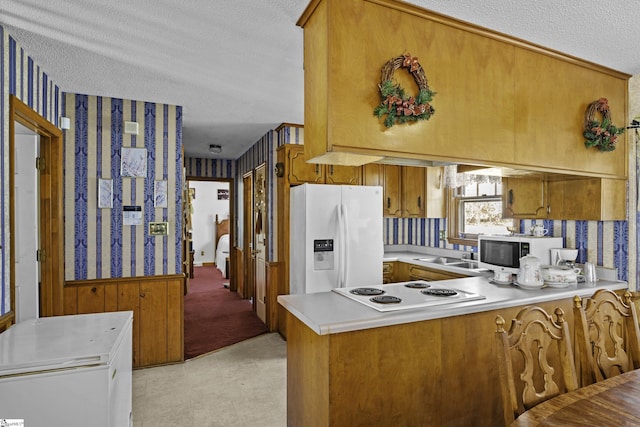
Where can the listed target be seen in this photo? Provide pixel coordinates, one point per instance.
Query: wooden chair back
(607, 336)
(535, 360)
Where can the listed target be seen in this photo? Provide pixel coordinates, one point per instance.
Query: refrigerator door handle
(345, 245)
(340, 283)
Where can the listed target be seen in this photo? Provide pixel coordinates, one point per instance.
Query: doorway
(26, 211)
(48, 222)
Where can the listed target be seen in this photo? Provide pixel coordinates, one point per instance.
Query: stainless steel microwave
(503, 253)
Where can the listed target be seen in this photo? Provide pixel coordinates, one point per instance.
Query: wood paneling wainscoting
(157, 303)
(273, 282)
(238, 272)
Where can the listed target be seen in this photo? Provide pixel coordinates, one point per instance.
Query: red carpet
(214, 317)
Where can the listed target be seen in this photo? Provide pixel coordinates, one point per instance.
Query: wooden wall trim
(6, 320)
(115, 280)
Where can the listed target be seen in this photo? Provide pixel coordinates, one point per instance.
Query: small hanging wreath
(399, 107)
(602, 135)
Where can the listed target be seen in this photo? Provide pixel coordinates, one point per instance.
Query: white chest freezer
(68, 371)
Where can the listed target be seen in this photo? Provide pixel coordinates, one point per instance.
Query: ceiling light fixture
(215, 149)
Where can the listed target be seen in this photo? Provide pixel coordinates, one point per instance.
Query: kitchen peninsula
(349, 364)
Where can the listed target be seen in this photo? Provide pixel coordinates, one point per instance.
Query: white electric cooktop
(407, 295)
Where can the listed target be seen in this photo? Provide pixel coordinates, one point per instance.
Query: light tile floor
(243, 385)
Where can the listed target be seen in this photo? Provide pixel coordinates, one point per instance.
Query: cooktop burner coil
(386, 299)
(440, 292)
(367, 291)
(417, 285)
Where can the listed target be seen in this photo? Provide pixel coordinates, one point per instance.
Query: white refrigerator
(335, 237)
(72, 371)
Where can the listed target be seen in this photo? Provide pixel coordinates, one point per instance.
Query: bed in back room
(221, 242)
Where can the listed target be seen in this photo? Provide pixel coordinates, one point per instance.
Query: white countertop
(331, 313)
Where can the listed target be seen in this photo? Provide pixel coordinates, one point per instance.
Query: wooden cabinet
(299, 171)
(409, 191)
(409, 272)
(568, 198)
(388, 275)
(499, 100)
(587, 199)
(524, 198)
(157, 305)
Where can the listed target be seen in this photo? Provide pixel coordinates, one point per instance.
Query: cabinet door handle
(510, 197)
(420, 202)
(388, 202)
(317, 168)
(330, 169)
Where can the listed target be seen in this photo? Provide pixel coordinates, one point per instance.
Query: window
(475, 207)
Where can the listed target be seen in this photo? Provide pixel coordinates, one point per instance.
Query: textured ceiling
(236, 65)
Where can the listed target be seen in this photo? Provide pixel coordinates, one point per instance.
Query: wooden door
(247, 239)
(392, 191)
(300, 171)
(373, 174)
(524, 198)
(259, 239)
(414, 181)
(349, 175)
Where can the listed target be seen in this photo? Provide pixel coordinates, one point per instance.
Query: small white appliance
(336, 237)
(72, 371)
(503, 253)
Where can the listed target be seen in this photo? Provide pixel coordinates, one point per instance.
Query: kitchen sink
(465, 264)
(441, 260)
(428, 259)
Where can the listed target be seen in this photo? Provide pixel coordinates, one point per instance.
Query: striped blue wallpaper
(97, 242)
(21, 76)
(210, 168)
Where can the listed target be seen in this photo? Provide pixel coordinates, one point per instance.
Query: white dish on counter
(498, 282)
(560, 284)
(529, 287)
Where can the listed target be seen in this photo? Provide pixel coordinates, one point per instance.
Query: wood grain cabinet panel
(499, 100)
(153, 322)
(414, 182)
(347, 175)
(409, 191)
(589, 199)
(129, 300)
(392, 191)
(524, 198)
(300, 172)
(158, 310)
(90, 299)
(571, 198)
(388, 275)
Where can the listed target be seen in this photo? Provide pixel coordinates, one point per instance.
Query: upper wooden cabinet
(499, 101)
(299, 171)
(524, 198)
(572, 198)
(587, 199)
(409, 191)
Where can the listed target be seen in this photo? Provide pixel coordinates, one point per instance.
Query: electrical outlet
(441, 234)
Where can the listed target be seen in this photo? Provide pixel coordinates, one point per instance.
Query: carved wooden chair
(607, 336)
(535, 360)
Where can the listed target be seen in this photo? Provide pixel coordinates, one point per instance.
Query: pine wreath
(601, 135)
(395, 103)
